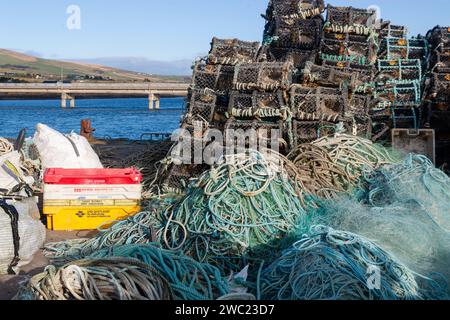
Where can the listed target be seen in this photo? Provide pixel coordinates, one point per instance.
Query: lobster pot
(349, 16)
(298, 58)
(257, 105)
(389, 30)
(319, 103)
(344, 37)
(295, 9)
(409, 69)
(328, 76)
(404, 49)
(345, 61)
(300, 34)
(252, 133)
(440, 62)
(202, 105)
(366, 50)
(441, 86)
(180, 176)
(399, 95)
(360, 125)
(215, 77)
(358, 105)
(365, 72)
(232, 51)
(268, 76)
(309, 131)
(439, 38)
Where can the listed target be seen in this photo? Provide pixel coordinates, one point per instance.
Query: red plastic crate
(92, 176)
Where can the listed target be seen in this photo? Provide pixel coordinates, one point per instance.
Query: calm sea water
(116, 118)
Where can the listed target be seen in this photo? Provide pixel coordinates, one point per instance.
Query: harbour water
(114, 118)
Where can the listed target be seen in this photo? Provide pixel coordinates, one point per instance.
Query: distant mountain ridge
(166, 68)
(24, 67)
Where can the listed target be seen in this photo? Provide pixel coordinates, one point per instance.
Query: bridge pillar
(63, 100)
(72, 102)
(157, 102)
(151, 99)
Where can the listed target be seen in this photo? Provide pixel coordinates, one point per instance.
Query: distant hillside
(166, 68)
(32, 69)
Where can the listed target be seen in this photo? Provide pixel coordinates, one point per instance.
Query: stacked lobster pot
(327, 95)
(207, 107)
(293, 31)
(258, 103)
(438, 89)
(399, 83)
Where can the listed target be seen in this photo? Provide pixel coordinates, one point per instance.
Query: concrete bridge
(69, 91)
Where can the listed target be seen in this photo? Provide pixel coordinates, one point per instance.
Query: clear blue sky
(165, 29)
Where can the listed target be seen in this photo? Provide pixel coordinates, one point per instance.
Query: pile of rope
(188, 278)
(99, 279)
(331, 265)
(5, 146)
(245, 201)
(417, 180)
(333, 165)
(137, 229)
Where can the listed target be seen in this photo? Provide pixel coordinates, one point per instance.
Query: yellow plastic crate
(72, 215)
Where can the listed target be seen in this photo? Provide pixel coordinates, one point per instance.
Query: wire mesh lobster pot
(358, 105)
(440, 62)
(405, 48)
(257, 105)
(319, 103)
(344, 37)
(439, 37)
(202, 105)
(215, 77)
(441, 87)
(348, 61)
(365, 72)
(389, 30)
(263, 75)
(295, 9)
(328, 76)
(294, 56)
(349, 16)
(300, 34)
(366, 50)
(402, 69)
(398, 95)
(253, 133)
(180, 176)
(309, 131)
(359, 125)
(232, 51)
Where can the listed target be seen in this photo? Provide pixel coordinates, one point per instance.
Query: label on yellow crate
(91, 203)
(66, 218)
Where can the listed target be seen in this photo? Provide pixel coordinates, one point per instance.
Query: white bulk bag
(11, 174)
(31, 232)
(64, 151)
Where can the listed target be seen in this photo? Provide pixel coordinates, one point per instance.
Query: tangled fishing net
(332, 265)
(101, 279)
(334, 164)
(417, 180)
(404, 229)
